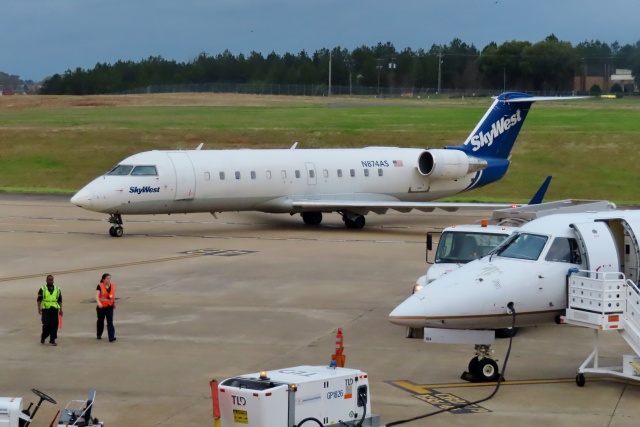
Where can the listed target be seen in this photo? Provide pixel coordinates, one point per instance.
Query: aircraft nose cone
(411, 313)
(83, 198)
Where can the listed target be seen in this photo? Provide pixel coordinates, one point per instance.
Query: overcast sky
(39, 38)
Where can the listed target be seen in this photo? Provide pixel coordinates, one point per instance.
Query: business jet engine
(448, 164)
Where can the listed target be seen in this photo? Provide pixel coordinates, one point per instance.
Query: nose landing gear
(482, 368)
(116, 230)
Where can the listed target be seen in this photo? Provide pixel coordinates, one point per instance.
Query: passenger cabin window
(221, 176)
(325, 173)
(352, 172)
(564, 249)
(207, 176)
(237, 174)
(253, 174)
(523, 246)
(297, 174)
(339, 173)
(120, 170)
(268, 174)
(145, 171)
(379, 172)
(312, 173)
(366, 172)
(283, 174)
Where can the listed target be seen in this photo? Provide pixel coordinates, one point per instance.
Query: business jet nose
(410, 313)
(83, 199)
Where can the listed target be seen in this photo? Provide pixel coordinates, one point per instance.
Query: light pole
(439, 70)
(350, 63)
(329, 93)
(379, 67)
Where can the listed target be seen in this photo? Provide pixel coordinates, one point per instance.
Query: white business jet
(352, 182)
(528, 274)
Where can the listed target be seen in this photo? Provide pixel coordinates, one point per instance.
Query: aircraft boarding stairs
(605, 302)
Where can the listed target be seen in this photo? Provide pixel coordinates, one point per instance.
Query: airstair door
(598, 247)
(631, 250)
(311, 173)
(185, 176)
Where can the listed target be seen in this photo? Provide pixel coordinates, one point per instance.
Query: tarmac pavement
(202, 298)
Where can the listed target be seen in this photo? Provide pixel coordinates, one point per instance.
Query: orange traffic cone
(338, 356)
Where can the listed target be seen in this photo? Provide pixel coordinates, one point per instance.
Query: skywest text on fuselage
(147, 189)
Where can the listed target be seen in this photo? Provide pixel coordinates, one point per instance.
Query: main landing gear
(116, 230)
(311, 218)
(482, 368)
(353, 221)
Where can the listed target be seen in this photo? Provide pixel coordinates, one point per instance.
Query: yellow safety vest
(50, 300)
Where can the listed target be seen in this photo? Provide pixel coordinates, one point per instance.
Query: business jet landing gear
(353, 221)
(116, 230)
(482, 368)
(311, 218)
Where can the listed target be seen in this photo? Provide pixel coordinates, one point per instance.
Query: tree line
(547, 66)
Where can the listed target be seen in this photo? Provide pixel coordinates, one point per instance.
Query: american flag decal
(398, 163)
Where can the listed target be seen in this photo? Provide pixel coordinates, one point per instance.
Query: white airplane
(352, 182)
(528, 274)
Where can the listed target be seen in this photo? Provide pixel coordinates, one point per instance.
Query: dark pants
(49, 324)
(105, 313)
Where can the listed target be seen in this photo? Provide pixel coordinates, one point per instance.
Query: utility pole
(329, 93)
(439, 69)
(379, 67)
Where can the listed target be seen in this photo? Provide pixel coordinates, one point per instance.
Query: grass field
(61, 143)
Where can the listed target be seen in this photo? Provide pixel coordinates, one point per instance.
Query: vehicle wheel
(312, 218)
(118, 231)
(580, 380)
(112, 231)
(473, 365)
(43, 396)
(506, 332)
(487, 370)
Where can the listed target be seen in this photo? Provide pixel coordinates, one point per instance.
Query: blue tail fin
(539, 196)
(496, 133)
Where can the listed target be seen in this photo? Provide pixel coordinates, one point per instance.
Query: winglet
(293, 147)
(537, 198)
(200, 146)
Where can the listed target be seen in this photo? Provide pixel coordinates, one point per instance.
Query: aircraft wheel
(580, 380)
(487, 370)
(409, 333)
(112, 231)
(116, 231)
(356, 223)
(473, 364)
(506, 332)
(312, 218)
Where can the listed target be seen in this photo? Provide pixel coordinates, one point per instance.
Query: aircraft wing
(363, 207)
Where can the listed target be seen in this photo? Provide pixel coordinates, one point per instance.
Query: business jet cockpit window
(145, 171)
(564, 249)
(465, 247)
(523, 246)
(120, 170)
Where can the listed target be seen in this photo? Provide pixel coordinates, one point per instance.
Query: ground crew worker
(106, 300)
(49, 307)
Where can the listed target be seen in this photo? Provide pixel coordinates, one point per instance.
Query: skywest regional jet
(352, 182)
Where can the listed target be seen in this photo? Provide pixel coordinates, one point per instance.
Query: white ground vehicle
(459, 244)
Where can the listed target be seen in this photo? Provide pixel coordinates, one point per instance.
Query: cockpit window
(523, 246)
(462, 247)
(120, 170)
(145, 170)
(564, 249)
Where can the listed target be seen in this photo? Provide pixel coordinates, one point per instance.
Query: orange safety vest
(107, 298)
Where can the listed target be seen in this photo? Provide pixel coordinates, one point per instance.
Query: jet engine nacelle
(448, 164)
